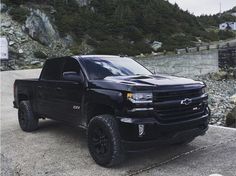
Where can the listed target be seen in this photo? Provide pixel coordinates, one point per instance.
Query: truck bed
(24, 87)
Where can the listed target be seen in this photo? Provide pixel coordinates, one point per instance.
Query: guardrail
(201, 48)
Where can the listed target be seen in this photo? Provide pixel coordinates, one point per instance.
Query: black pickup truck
(121, 104)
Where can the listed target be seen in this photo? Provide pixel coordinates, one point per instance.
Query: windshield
(99, 68)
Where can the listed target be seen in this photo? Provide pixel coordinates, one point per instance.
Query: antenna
(220, 8)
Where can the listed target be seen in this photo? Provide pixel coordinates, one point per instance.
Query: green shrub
(40, 55)
(177, 42)
(121, 47)
(92, 42)
(133, 33)
(223, 35)
(113, 47)
(75, 50)
(142, 47)
(19, 14)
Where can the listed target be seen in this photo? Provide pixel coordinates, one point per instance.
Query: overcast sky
(198, 7)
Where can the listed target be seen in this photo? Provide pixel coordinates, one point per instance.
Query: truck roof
(96, 56)
(87, 56)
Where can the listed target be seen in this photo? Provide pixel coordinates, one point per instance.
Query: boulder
(20, 51)
(11, 43)
(39, 27)
(68, 40)
(156, 45)
(35, 62)
(220, 75)
(6, 24)
(231, 118)
(234, 73)
(3, 7)
(11, 32)
(233, 99)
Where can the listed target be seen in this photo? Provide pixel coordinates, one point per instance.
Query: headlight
(140, 97)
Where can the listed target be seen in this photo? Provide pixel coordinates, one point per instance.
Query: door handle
(58, 89)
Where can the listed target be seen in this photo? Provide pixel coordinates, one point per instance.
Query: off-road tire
(27, 121)
(115, 153)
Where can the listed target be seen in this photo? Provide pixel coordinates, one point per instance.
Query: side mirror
(72, 76)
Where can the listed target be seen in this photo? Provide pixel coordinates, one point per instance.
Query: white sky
(198, 7)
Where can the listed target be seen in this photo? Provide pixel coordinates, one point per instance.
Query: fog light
(140, 130)
(126, 120)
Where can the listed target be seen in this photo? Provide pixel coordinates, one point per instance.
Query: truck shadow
(62, 129)
(74, 137)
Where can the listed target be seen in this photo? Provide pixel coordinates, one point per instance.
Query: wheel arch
(95, 109)
(21, 97)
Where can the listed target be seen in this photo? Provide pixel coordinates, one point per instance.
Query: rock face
(39, 27)
(22, 47)
(231, 118)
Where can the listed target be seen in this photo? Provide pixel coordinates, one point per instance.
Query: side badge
(76, 107)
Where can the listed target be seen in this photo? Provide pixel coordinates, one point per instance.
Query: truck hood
(142, 82)
(154, 80)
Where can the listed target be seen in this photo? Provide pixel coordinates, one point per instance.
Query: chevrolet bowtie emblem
(186, 101)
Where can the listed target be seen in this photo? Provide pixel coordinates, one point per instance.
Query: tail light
(14, 88)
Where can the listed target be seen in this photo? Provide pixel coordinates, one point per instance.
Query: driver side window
(72, 71)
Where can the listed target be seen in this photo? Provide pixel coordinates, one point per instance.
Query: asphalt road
(57, 149)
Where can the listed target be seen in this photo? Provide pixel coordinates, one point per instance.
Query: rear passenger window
(52, 70)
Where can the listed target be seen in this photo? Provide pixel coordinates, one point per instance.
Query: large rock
(219, 75)
(40, 28)
(22, 47)
(223, 75)
(233, 99)
(6, 24)
(3, 7)
(234, 73)
(231, 118)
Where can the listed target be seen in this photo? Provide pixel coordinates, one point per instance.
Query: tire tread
(31, 121)
(118, 152)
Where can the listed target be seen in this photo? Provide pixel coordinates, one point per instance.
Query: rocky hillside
(111, 26)
(33, 41)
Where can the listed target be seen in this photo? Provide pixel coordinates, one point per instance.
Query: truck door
(70, 91)
(47, 89)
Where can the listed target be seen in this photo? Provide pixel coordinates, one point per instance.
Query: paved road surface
(56, 149)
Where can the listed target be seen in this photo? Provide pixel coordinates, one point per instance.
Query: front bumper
(177, 137)
(159, 133)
